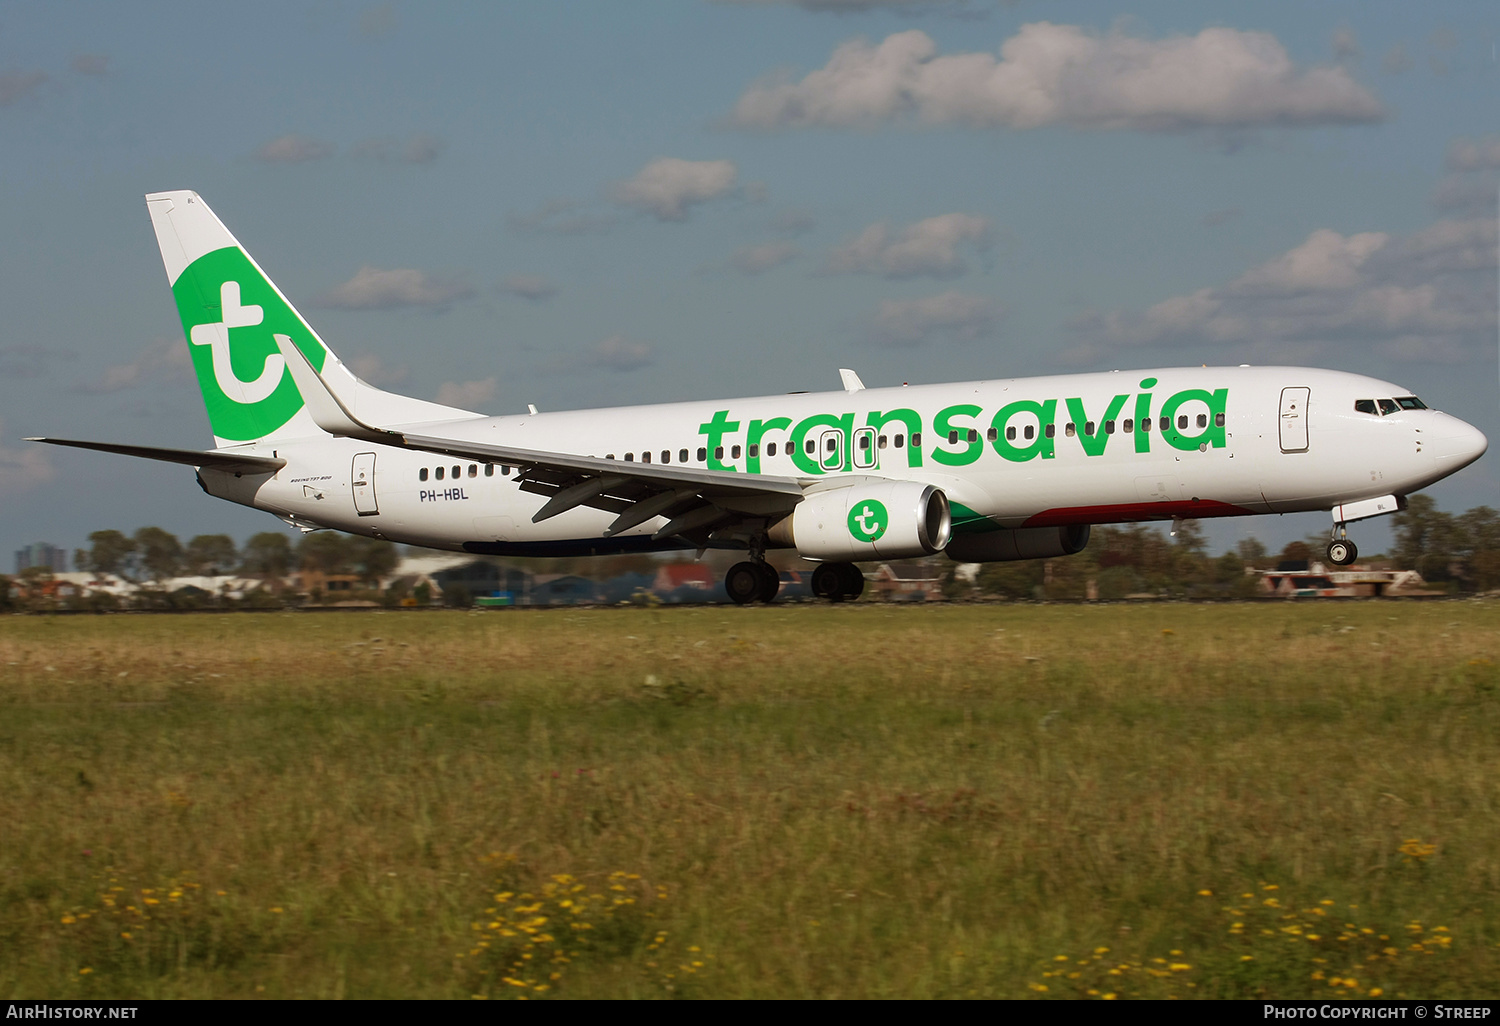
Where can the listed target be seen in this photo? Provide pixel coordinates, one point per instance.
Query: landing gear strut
(838, 581)
(1341, 551)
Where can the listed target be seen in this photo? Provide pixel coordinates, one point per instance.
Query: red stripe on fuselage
(1128, 512)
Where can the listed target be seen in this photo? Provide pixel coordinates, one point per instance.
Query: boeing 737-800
(982, 470)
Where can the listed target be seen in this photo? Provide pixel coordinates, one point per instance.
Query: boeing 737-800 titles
(981, 470)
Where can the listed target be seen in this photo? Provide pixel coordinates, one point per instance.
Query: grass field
(998, 801)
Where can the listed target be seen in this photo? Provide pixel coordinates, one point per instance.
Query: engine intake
(887, 520)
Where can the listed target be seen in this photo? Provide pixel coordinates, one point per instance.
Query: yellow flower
(84, 971)
(1376, 992)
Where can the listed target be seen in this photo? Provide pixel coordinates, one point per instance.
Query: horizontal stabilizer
(240, 462)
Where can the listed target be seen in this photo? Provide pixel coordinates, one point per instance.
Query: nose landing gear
(1341, 551)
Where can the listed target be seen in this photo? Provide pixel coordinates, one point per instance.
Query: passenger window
(1145, 423)
(1088, 428)
(916, 439)
(1388, 406)
(952, 437)
(646, 457)
(864, 443)
(456, 472)
(473, 470)
(897, 440)
(1218, 420)
(1166, 422)
(438, 473)
(973, 435)
(1182, 422)
(1030, 430)
(422, 474)
(993, 434)
(1203, 420)
(1365, 406)
(1070, 430)
(681, 455)
(1109, 427)
(811, 447)
(1051, 430)
(610, 456)
(666, 455)
(770, 448)
(505, 470)
(718, 452)
(734, 453)
(1129, 425)
(1410, 402)
(630, 457)
(702, 453)
(882, 443)
(754, 451)
(489, 470)
(1010, 434)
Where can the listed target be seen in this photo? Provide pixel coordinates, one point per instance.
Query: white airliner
(981, 470)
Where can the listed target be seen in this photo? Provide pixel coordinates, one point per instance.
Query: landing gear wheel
(770, 583)
(1342, 552)
(853, 581)
(838, 581)
(828, 582)
(744, 582)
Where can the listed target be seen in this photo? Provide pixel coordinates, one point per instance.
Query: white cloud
(911, 322)
(1482, 154)
(90, 64)
(293, 149)
(421, 148)
(16, 84)
(22, 469)
(466, 395)
(762, 258)
(29, 361)
(562, 217)
(1062, 74)
(927, 247)
(161, 358)
(529, 286)
(1396, 61)
(617, 353)
(667, 186)
(1331, 297)
(374, 289)
(373, 370)
(1345, 43)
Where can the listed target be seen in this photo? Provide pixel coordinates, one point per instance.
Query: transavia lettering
(1023, 430)
(17, 1010)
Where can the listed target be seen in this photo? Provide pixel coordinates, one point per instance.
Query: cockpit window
(1410, 402)
(1388, 406)
(1364, 406)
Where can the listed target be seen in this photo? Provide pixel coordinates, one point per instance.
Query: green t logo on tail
(231, 315)
(868, 520)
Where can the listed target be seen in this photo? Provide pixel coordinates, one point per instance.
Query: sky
(583, 204)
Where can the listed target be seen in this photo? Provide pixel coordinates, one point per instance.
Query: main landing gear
(752, 581)
(838, 581)
(1341, 551)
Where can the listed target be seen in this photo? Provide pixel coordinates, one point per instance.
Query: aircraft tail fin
(232, 314)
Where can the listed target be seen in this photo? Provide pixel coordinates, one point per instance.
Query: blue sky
(583, 204)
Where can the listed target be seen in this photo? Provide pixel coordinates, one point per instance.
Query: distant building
(1304, 579)
(42, 554)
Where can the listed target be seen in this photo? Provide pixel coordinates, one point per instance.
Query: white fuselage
(1219, 441)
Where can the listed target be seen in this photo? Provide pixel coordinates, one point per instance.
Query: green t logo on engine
(868, 520)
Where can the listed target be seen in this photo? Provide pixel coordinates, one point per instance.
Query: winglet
(851, 380)
(326, 409)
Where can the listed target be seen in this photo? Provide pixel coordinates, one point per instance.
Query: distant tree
(159, 551)
(1297, 551)
(1481, 528)
(328, 552)
(110, 552)
(1251, 551)
(1228, 568)
(1426, 539)
(7, 602)
(373, 558)
(210, 555)
(267, 555)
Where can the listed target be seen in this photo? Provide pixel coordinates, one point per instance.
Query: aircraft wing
(217, 460)
(695, 502)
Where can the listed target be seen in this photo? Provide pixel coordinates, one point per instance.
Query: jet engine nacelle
(1021, 543)
(885, 520)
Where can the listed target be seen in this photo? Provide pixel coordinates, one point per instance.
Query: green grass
(851, 801)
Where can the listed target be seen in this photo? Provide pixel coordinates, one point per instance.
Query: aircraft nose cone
(1460, 445)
